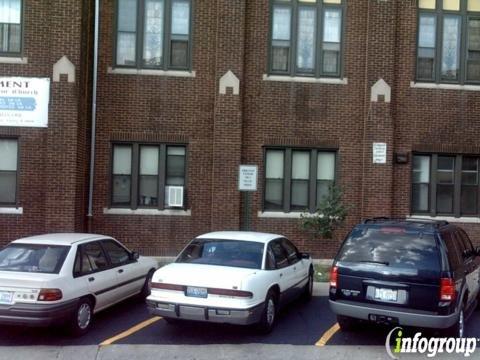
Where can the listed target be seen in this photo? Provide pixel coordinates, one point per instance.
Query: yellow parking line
(130, 331)
(327, 335)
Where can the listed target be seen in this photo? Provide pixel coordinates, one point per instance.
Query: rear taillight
(228, 292)
(447, 289)
(163, 286)
(50, 295)
(333, 276)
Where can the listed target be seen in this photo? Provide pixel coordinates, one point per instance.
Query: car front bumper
(413, 318)
(207, 314)
(36, 314)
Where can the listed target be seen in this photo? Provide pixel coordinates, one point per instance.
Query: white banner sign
(24, 101)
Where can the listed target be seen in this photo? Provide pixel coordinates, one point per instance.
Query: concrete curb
(205, 352)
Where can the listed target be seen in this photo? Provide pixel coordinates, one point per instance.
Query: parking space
(299, 324)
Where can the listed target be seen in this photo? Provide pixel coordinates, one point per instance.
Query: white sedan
(66, 278)
(232, 277)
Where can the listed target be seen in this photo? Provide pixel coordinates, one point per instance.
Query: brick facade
(224, 131)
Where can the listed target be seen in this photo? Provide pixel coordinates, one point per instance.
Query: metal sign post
(247, 183)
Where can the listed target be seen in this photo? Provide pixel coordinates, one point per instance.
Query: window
(8, 171)
(10, 27)
(453, 250)
(306, 37)
(142, 174)
(449, 41)
(281, 259)
(95, 255)
(291, 250)
(117, 254)
(297, 179)
(154, 34)
(445, 185)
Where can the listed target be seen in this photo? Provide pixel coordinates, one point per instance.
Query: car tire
(346, 323)
(269, 313)
(146, 290)
(458, 329)
(82, 317)
(308, 292)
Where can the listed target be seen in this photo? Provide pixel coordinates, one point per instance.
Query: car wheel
(308, 292)
(346, 323)
(146, 289)
(458, 329)
(269, 314)
(82, 317)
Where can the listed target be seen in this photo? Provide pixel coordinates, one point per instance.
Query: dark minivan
(406, 272)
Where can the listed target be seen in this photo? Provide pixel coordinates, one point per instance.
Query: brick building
(306, 90)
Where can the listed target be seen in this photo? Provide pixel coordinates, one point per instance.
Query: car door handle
(120, 271)
(294, 268)
(281, 275)
(91, 279)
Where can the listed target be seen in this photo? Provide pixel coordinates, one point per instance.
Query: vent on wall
(175, 196)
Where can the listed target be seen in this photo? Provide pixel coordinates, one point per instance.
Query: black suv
(406, 272)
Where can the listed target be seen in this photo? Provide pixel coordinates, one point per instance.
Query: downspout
(94, 115)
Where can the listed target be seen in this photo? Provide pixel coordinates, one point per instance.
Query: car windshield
(242, 254)
(33, 258)
(391, 246)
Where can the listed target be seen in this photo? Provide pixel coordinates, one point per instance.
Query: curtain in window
(281, 36)
(332, 30)
(274, 179)
(8, 170)
(306, 39)
(451, 47)
(127, 27)
(148, 191)
(122, 174)
(10, 25)
(300, 180)
(153, 37)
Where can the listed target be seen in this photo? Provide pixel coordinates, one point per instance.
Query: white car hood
(24, 280)
(211, 276)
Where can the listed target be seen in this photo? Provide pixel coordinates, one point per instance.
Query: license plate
(386, 295)
(197, 292)
(6, 297)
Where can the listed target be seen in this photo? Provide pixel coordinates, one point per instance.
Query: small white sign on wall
(247, 178)
(379, 153)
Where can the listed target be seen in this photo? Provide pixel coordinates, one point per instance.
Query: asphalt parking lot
(129, 323)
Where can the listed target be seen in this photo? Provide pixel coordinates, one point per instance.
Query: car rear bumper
(404, 317)
(36, 314)
(207, 314)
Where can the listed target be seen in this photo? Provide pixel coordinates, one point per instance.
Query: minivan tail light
(50, 295)
(333, 276)
(447, 289)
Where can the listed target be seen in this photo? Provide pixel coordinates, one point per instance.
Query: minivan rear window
(391, 246)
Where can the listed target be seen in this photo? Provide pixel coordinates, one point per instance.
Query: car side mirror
(135, 255)
(477, 251)
(305, 255)
(468, 253)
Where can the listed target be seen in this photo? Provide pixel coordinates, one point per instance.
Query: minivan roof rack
(380, 219)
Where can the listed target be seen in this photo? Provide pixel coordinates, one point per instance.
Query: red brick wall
(223, 131)
(52, 160)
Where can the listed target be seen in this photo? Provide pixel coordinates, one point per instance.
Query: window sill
(301, 79)
(13, 60)
(11, 210)
(421, 85)
(151, 72)
(281, 215)
(147, 212)
(451, 219)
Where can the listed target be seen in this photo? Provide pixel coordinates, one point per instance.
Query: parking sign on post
(247, 183)
(247, 178)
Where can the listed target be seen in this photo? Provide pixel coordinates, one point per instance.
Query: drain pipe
(94, 115)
